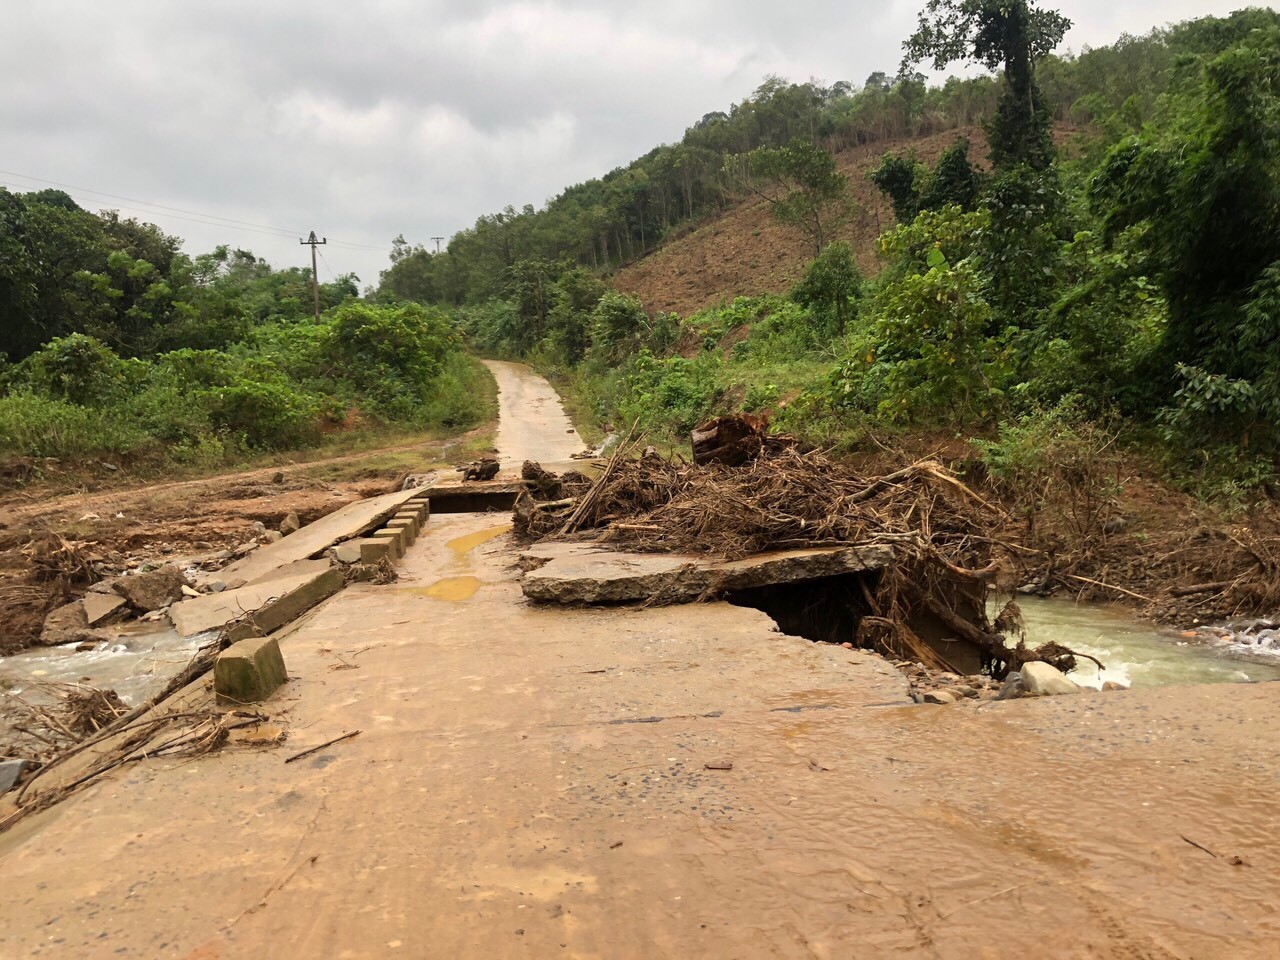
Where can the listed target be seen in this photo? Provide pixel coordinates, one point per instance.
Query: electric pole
(437, 240)
(312, 242)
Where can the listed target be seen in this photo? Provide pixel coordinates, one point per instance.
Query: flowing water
(1136, 653)
(136, 664)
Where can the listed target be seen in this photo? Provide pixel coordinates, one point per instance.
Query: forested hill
(618, 218)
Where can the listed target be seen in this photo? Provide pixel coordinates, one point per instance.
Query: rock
(84, 646)
(1012, 687)
(964, 690)
(152, 590)
(246, 548)
(69, 624)
(271, 536)
(11, 772)
(290, 524)
(259, 528)
(939, 696)
(189, 591)
(215, 586)
(480, 470)
(277, 477)
(1041, 680)
(248, 671)
(100, 608)
(1115, 525)
(1109, 685)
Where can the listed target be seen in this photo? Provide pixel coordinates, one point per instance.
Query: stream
(1136, 653)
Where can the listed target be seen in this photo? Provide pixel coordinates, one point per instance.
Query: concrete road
(531, 422)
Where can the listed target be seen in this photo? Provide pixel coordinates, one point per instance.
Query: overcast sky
(367, 120)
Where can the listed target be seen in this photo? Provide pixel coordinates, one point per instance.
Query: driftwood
(485, 469)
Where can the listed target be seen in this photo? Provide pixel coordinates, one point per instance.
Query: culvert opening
(831, 610)
(826, 609)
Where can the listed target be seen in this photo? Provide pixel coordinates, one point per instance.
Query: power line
(225, 221)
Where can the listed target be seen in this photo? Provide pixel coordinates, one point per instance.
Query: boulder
(248, 671)
(1041, 680)
(153, 589)
(1109, 685)
(939, 696)
(70, 624)
(290, 524)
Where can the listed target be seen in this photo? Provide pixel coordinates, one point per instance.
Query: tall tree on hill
(800, 183)
(1009, 33)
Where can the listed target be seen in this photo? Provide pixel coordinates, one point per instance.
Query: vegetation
(118, 345)
(1125, 292)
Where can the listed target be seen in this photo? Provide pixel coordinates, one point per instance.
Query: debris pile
(782, 498)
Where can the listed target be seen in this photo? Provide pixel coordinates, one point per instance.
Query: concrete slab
(295, 569)
(270, 602)
(315, 538)
(592, 575)
(100, 607)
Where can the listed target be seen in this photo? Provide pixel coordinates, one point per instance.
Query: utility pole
(312, 242)
(437, 240)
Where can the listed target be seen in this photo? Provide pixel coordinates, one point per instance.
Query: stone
(270, 605)
(249, 671)
(939, 696)
(66, 624)
(964, 690)
(277, 477)
(189, 591)
(153, 589)
(259, 528)
(215, 586)
(11, 772)
(271, 536)
(1012, 687)
(1109, 685)
(1042, 680)
(290, 524)
(100, 608)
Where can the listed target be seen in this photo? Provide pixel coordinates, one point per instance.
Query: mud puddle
(1134, 653)
(460, 585)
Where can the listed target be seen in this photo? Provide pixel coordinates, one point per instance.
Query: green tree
(800, 183)
(1009, 33)
(831, 287)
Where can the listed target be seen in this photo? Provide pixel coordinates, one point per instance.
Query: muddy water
(1135, 653)
(136, 664)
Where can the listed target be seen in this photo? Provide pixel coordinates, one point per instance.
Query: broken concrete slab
(591, 575)
(101, 608)
(346, 552)
(249, 671)
(270, 605)
(67, 624)
(295, 569)
(315, 538)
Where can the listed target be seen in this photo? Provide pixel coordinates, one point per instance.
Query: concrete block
(414, 518)
(272, 604)
(398, 535)
(248, 671)
(101, 607)
(373, 549)
(406, 526)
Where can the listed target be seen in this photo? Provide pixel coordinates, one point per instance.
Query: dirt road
(662, 782)
(531, 423)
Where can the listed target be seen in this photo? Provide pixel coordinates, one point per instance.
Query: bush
(35, 426)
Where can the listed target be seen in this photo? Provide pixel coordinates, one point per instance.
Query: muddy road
(658, 782)
(531, 422)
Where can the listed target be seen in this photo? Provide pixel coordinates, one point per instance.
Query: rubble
(151, 589)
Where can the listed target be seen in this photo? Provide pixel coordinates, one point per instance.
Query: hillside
(743, 251)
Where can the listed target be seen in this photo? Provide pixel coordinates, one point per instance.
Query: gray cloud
(402, 116)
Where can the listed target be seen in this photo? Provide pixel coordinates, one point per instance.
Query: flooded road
(642, 782)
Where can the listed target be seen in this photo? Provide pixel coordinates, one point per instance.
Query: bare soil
(122, 524)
